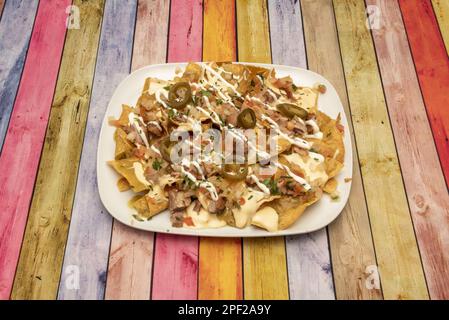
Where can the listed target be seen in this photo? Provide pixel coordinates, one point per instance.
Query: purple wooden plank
(88, 243)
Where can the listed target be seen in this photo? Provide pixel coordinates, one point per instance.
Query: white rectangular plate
(315, 217)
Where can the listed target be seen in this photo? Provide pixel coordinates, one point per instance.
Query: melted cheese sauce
(139, 173)
(203, 219)
(314, 170)
(266, 218)
(253, 200)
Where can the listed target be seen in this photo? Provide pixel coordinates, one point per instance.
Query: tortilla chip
(330, 186)
(123, 147)
(290, 209)
(125, 168)
(123, 120)
(156, 201)
(123, 185)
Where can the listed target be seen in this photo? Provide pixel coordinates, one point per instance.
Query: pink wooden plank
(21, 151)
(175, 270)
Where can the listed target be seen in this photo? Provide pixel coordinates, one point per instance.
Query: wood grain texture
(432, 65)
(22, 149)
(220, 260)
(219, 35)
(131, 253)
(2, 4)
(394, 239)
(89, 237)
(40, 262)
(350, 237)
(14, 40)
(424, 181)
(307, 255)
(441, 8)
(264, 260)
(175, 267)
(186, 29)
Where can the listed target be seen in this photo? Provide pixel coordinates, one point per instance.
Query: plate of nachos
(225, 149)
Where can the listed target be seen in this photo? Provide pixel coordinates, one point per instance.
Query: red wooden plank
(21, 151)
(432, 66)
(175, 269)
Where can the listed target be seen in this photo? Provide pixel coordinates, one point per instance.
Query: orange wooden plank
(131, 253)
(265, 265)
(432, 66)
(220, 260)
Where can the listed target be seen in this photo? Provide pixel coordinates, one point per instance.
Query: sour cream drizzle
(296, 141)
(203, 184)
(134, 121)
(261, 186)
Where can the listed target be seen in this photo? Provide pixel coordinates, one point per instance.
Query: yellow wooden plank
(42, 252)
(441, 8)
(350, 235)
(220, 260)
(265, 268)
(394, 239)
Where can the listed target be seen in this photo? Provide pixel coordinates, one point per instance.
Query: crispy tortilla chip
(123, 185)
(156, 201)
(290, 209)
(125, 168)
(123, 147)
(330, 186)
(123, 120)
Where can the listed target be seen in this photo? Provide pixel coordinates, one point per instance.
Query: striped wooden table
(60, 62)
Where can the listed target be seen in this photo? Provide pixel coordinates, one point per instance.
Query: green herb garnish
(157, 164)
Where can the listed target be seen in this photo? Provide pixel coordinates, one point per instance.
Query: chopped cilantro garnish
(205, 93)
(156, 164)
(219, 101)
(167, 88)
(171, 113)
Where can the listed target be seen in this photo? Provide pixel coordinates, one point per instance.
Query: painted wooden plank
(424, 181)
(87, 250)
(350, 239)
(14, 40)
(432, 66)
(131, 252)
(220, 260)
(441, 8)
(186, 30)
(307, 255)
(40, 262)
(175, 267)
(2, 3)
(393, 234)
(264, 260)
(21, 151)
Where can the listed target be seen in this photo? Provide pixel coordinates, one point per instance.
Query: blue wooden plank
(15, 32)
(87, 251)
(307, 255)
